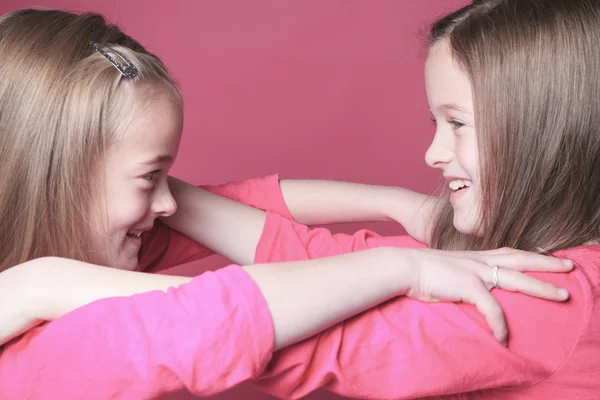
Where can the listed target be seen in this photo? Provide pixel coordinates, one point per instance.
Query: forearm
(57, 286)
(306, 297)
(47, 288)
(223, 225)
(233, 229)
(317, 202)
(303, 297)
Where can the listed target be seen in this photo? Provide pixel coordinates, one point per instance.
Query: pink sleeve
(205, 336)
(262, 193)
(408, 349)
(164, 247)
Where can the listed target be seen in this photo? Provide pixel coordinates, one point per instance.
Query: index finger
(481, 298)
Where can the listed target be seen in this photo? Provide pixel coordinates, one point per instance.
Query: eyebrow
(454, 107)
(163, 158)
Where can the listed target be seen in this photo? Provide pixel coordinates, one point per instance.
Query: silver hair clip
(127, 69)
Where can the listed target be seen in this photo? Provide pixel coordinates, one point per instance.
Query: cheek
(125, 209)
(468, 155)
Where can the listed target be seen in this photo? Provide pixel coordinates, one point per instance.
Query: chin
(121, 260)
(127, 264)
(466, 227)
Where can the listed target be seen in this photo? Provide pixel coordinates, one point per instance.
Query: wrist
(399, 276)
(414, 211)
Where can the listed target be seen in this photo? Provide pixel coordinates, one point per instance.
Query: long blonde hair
(534, 67)
(61, 104)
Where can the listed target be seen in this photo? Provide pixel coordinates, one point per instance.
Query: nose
(440, 151)
(164, 204)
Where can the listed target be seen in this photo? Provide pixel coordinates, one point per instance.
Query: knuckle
(473, 281)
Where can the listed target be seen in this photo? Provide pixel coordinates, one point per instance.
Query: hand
(467, 276)
(414, 211)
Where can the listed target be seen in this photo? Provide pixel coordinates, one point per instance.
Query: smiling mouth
(459, 184)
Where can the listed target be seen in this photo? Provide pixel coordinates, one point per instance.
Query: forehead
(446, 83)
(154, 130)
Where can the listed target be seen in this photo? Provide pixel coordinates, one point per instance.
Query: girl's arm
(303, 297)
(313, 202)
(164, 247)
(318, 202)
(216, 330)
(44, 289)
(233, 230)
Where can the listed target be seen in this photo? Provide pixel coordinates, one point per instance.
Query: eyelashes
(455, 124)
(151, 176)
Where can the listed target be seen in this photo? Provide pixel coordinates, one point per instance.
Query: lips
(137, 233)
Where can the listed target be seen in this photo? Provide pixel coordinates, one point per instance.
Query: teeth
(134, 234)
(459, 184)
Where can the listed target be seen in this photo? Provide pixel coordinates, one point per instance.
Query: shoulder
(546, 331)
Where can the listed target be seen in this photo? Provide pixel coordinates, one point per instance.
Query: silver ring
(495, 276)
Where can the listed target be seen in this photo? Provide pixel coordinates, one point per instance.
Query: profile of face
(454, 147)
(133, 181)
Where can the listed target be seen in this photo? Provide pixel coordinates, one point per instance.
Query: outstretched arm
(233, 230)
(46, 288)
(209, 333)
(318, 202)
(303, 297)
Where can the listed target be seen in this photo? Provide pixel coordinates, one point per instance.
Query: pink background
(315, 89)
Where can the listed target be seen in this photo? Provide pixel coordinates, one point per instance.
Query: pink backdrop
(317, 89)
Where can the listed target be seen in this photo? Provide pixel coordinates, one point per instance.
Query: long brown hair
(534, 67)
(61, 104)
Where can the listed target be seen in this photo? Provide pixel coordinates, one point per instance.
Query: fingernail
(504, 343)
(563, 294)
(568, 263)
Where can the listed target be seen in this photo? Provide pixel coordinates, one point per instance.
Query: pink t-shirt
(210, 334)
(404, 349)
(205, 336)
